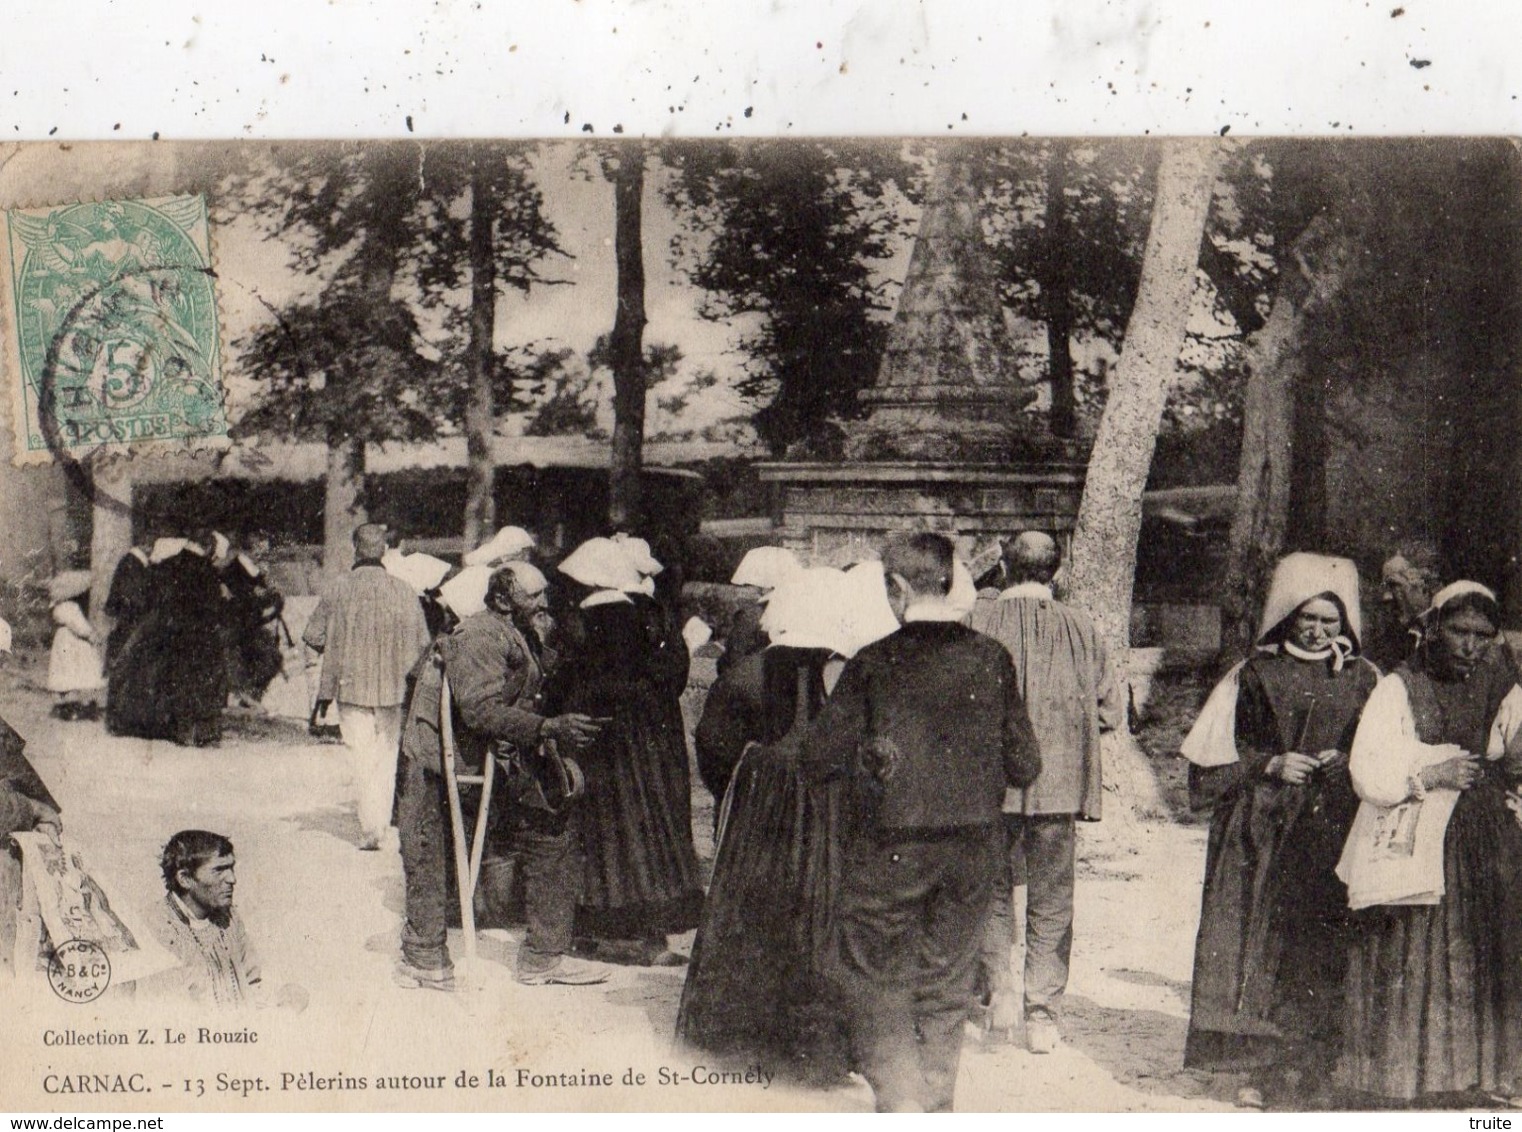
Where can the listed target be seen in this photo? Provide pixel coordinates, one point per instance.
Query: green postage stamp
(111, 332)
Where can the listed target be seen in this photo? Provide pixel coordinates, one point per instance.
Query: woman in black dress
(1434, 988)
(1271, 952)
(170, 679)
(627, 665)
(756, 984)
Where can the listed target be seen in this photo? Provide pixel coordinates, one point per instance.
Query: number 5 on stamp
(112, 337)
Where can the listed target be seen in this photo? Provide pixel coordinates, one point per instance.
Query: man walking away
(1065, 679)
(370, 630)
(929, 722)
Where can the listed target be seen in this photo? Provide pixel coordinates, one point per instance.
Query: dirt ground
(326, 916)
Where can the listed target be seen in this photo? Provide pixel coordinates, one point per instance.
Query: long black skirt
(1434, 992)
(755, 984)
(642, 876)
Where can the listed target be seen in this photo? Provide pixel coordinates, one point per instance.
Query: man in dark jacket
(930, 721)
(493, 662)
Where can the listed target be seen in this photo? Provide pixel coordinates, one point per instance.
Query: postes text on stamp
(113, 340)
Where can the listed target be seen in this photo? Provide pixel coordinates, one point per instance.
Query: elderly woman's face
(1316, 624)
(1465, 638)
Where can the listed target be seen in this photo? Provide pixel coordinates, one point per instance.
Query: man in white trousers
(370, 629)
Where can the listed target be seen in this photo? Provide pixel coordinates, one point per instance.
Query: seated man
(197, 924)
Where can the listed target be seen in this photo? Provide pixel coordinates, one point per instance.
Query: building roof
(300, 462)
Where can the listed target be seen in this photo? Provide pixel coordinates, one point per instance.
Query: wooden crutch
(467, 859)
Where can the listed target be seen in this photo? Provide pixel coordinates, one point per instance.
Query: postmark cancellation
(112, 337)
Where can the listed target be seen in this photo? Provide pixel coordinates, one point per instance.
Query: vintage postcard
(788, 624)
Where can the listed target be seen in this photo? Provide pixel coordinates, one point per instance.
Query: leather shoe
(418, 978)
(1041, 1033)
(566, 973)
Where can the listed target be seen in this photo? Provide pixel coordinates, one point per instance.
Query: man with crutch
(493, 663)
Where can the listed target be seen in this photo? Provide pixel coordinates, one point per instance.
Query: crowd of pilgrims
(195, 621)
(1360, 934)
(1360, 937)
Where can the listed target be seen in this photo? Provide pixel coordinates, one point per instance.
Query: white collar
(932, 609)
(140, 554)
(1028, 589)
(606, 597)
(197, 923)
(1307, 654)
(1338, 649)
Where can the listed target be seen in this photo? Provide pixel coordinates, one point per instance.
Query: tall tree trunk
(480, 407)
(110, 530)
(1057, 296)
(626, 345)
(1309, 273)
(1305, 528)
(343, 507)
(376, 262)
(1263, 476)
(1103, 570)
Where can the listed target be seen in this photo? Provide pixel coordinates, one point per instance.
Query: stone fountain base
(833, 513)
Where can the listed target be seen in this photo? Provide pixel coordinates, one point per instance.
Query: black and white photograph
(918, 622)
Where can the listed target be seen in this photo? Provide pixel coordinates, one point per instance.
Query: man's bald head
(369, 540)
(1033, 556)
(517, 587)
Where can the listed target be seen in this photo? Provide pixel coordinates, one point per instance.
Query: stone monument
(945, 444)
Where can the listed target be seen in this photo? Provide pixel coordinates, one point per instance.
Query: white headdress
(871, 615)
(1300, 577)
(808, 611)
(602, 564)
(69, 584)
(963, 594)
(1458, 589)
(766, 567)
(166, 548)
(420, 571)
(506, 544)
(638, 552)
(465, 593)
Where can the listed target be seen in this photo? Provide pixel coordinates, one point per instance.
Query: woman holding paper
(1434, 867)
(1269, 756)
